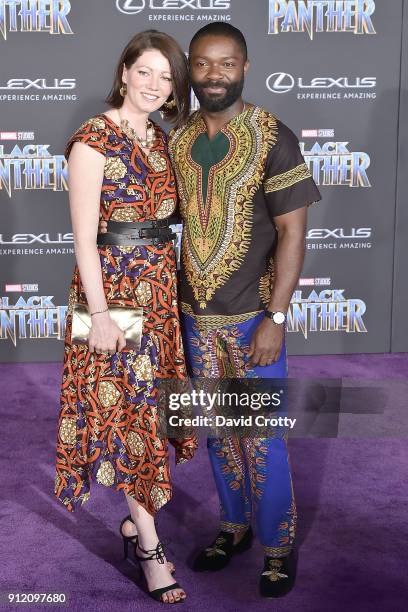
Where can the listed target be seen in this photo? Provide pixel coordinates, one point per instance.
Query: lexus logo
(280, 82)
(130, 7)
(339, 233)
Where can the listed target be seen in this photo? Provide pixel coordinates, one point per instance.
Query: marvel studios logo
(21, 288)
(17, 136)
(314, 282)
(320, 133)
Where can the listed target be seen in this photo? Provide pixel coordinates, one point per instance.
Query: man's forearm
(288, 262)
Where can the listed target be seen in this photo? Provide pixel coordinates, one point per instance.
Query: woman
(119, 171)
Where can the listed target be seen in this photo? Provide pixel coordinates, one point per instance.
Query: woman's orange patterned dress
(108, 422)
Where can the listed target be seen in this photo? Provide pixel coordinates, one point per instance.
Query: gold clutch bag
(130, 321)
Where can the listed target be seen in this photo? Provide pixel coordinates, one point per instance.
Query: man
(244, 190)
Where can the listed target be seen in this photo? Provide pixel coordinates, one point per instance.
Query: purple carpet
(351, 495)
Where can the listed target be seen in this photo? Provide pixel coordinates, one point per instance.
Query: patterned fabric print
(252, 475)
(136, 187)
(230, 456)
(287, 179)
(216, 353)
(255, 450)
(232, 188)
(266, 283)
(286, 532)
(271, 488)
(232, 527)
(207, 323)
(108, 422)
(217, 232)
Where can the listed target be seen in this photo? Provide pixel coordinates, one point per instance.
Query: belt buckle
(142, 233)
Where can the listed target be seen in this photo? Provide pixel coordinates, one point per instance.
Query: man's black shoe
(278, 575)
(218, 555)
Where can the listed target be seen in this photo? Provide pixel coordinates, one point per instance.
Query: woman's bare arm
(85, 181)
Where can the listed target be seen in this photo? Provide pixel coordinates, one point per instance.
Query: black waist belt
(125, 233)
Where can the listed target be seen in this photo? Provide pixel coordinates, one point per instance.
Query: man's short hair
(221, 28)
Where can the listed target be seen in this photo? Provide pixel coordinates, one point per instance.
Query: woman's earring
(123, 90)
(170, 105)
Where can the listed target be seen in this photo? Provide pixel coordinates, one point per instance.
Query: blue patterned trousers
(252, 475)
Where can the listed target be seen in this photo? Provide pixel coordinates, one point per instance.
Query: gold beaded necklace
(130, 132)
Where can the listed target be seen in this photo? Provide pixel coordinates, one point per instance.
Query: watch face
(278, 317)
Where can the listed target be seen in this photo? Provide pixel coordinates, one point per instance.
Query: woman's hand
(105, 336)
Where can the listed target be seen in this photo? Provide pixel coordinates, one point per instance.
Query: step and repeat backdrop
(331, 70)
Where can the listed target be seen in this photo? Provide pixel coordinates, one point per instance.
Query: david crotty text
(258, 420)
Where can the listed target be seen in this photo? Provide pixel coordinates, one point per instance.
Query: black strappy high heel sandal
(158, 555)
(133, 541)
(127, 539)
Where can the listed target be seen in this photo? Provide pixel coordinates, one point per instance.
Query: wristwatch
(277, 317)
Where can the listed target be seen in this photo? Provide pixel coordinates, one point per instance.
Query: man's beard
(216, 103)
